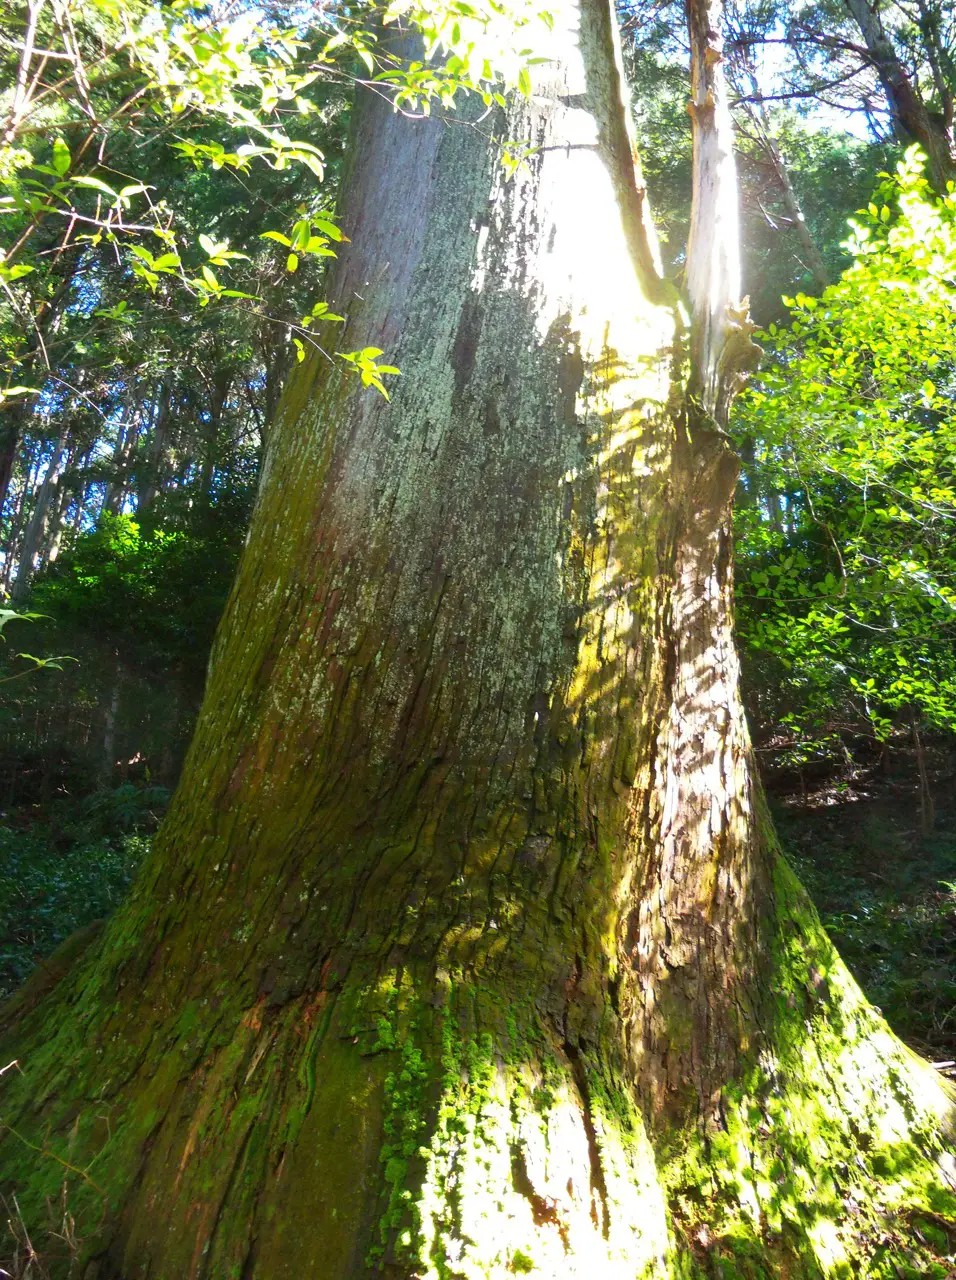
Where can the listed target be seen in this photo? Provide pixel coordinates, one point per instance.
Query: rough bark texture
(911, 116)
(464, 951)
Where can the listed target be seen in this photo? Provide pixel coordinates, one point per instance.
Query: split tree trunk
(464, 951)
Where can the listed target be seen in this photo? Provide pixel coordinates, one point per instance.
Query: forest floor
(886, 893)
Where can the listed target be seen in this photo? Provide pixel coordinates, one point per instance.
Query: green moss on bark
(831, 1146)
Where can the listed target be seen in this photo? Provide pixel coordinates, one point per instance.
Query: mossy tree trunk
(465, 951)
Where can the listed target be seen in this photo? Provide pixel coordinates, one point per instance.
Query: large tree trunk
(464, 950)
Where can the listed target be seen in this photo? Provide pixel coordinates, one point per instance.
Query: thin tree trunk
(32, 368)
(108, 759)
(59, 505)
(812, 259)
(69, 497)
(37, 528)
(12, 538)
(927, 810)
(774, 513)
(155, 450)
(83, 500)
(12, 418)
(126, 439)
(464, 950)
(218, 395)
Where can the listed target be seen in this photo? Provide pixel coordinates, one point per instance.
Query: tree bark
(812, 259)
(150, 480)
(127, 433)
(933, 131)
(39, 524)
(465, 950)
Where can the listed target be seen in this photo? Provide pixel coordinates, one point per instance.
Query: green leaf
(10, 615)
(61, 156)
(95, 184)
(328, 228)
(16, 272)
(134, 189)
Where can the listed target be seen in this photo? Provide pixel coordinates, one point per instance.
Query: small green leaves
(328, 228)
(247, 81)
(219, 252)
(15, 393)
(364, 364)
(302, 240)
(845, 581)
(320, 311)
(113, 313)
(96, 184)
(514, 156)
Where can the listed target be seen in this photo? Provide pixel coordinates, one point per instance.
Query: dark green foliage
(136, 610)
(66, 868)
(833, 174)
(158, 594)
(887, 896)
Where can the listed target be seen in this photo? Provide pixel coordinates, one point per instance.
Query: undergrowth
(887, 896)
(63, 867)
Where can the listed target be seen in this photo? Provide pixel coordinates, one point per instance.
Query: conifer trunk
(464, 950)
